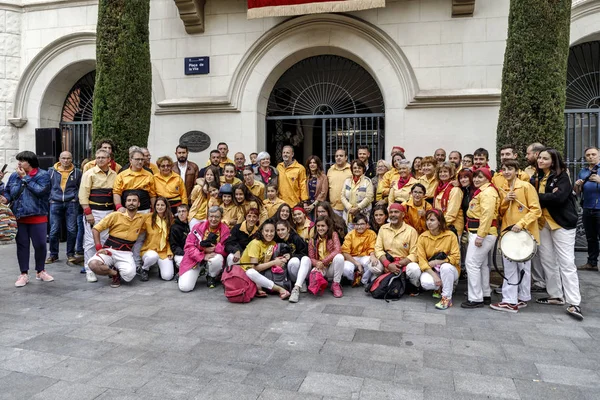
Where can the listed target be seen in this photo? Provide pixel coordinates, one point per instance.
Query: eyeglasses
(165, 166)
(360, 224)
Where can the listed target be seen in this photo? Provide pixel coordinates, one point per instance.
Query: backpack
(279, 277)
(388, 286)
(8, 225)
(238, 287)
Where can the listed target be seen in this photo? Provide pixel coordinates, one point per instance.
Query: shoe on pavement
(22, 280)
(444, 303)
(575, 311)
(51, 259)
(90, 276)
(303, 288)
(498, 290)
(588, 267)
(44, 276)
(512, 308)
(82, 270)
(472, 304)
(210, 282)
(116, 281)
(336, 288)
(144, 275)
(521, 304)
(71, 258)
(437, 294)
(295, 295)
(487, 300)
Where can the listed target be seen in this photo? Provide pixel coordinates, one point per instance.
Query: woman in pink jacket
(325, 254)
(204, 249)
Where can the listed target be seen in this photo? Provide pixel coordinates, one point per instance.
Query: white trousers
(187, 281)
(365, 261)
(89, 247)
(538, 279)
(139, 242)
(177, 260)
(512, 271)
(298, 269)
(413, 273)
(193, 222)
(335, 270)
(260, 279)
(230, 260)
(165, 265)
(449, 277)
(478, 271)
(557, 252)
(121, 260)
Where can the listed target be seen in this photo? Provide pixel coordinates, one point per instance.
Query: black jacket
(177, 237)
(562, 204)
(298, 245)
(237, 240)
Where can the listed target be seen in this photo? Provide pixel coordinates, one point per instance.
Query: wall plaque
(197, 65)
(196, 141)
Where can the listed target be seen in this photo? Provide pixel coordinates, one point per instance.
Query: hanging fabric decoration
(283, 8)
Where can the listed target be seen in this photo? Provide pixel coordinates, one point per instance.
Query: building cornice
(25, 6)
(191, 13)
(199, 105)
(583, 8)
(456, 98)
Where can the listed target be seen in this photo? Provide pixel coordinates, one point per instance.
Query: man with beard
(240, 163)
(455, 158)
(533, 151)
(115, 257)
(364, 155)
(215, 156)
(188, 170)
(440, 156)
(292, 178)
(223, 149)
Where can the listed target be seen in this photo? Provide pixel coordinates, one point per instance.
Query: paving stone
(426, 318)
(226, 372)
(286, 378)
(332, 332)
(331, 385)
(451, 362)
(449, 332)
(566, 330)
(435, 393)
(356, 311)
(315, 362)
(376, 390)
(94, 332)
(219, 390)
(69, 391)
(75, 369)
(485, 385)
(510, 369)
(423, 342)
(425, 377)
(568, 375)
(116, 394)
(377, 337)
(173, 385)
(537, 389)
(32, 362)
(122, 377)
(22, 386)
(359, 322)
(477, 349)
(12, 337)
(557, 343)
(276, 394)
(300, 342)
(70, 346)
(168, 362)
(366, 369)
(417, 328)
(292, 327)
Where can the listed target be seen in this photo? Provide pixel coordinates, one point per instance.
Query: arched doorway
(324, 103)
(76, 119)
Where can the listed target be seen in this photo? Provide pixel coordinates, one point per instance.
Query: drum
(518, 246)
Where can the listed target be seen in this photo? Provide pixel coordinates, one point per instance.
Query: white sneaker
(91, 276)
(498, 290)
(303, 288)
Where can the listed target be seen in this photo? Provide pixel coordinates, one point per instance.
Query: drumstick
(516, 200)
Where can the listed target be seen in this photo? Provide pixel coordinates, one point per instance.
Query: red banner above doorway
(282, 8)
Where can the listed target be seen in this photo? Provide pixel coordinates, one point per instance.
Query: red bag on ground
(238, 287)
(316, 282)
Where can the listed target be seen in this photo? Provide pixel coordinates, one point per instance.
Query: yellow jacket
(257, 189)
(430, 185)
(222, 163)
(428, 245)
(154, 168)
(263, 214)
(386, 182)
(400, 195)
(91, 164)
(484, 207)
(140, 180)
(119, 225)
(171, 187)
(358, 245)
(272, 206)
(453, 212)
(359, 194)
(199, 207)
(95, 178)
(400, 243)
(336, 178)
(305, 232)
(500, 181)
(232, 215)
(513, 213)
(153, 236)
(412, 217)
(292, 183)
(235, 181)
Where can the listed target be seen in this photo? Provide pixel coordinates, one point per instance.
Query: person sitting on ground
(299, 264)
(324, 209)
(156, 249)
(325, 254)
(178, 235)
(258, 257)
(232, 214)
(241, 235)
(245, 200)
(359, 252)
(379, 218)
(302, 224)
(284, 212)
(115, 258)
(416, 207)
(204, 251)
(439, 259)
(272, 202)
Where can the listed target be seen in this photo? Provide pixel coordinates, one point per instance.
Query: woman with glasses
(382, 168)
(416, 207)
(169, 184)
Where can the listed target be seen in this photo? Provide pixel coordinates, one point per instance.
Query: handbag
(8, 225)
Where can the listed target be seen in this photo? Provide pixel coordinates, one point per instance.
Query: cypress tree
(534, 75)
(122, 95)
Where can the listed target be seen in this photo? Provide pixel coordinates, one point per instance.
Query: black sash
(119, 244)
(101, 199)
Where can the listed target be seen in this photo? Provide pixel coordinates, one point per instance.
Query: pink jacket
(333, 249)
(194, 253)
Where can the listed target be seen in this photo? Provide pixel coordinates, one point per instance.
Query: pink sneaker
(22, 281)
(336, 288)
(44, 276)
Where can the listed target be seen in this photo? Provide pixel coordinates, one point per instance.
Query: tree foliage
(534, 74)
(122, 95)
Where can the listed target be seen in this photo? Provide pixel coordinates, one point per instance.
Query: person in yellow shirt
(232, 213)
(439, 259)
(359, 252)
(448, 198)
(150, 165)
(507, 152)
(203, 194)
(396, 245)
(336, 176)
(482, 224)
(136, 178)
(400, 187)
(416, 207)
(272, 202)
(257, 188)
(393, 175)
(229, 175)
(519, 209)
(382, 168)
(123, 230)
(108, 146)
(169, 184)
(223, 159)
(302, 224)
(292, 178)
(156, 249)
(245, 200)
(429, 177)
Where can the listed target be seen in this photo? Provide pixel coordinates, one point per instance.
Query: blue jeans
(591, 224)
(80, 229)
(58, 212)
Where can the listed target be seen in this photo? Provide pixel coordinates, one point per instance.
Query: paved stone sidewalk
(70, 339)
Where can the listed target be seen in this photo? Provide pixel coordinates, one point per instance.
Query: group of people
(426, 218)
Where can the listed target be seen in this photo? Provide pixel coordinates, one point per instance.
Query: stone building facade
(438, 76)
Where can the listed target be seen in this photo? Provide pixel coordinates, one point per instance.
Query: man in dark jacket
(588, 185)
(64, 204)
(179, 233)
(186, 169)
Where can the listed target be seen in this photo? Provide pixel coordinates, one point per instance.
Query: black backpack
(388, 286)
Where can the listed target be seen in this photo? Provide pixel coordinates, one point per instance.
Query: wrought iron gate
(77, 138)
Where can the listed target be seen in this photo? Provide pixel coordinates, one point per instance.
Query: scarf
(402, 182)
(113, 165)
(356, 178)
(162, 225)
(446, 188)
(266, 176)
(479, 190)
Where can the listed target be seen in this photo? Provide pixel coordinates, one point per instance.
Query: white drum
(518, 246)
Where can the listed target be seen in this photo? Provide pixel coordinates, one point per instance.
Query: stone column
(10, 71)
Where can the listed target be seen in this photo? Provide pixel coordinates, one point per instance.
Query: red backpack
(238, 287)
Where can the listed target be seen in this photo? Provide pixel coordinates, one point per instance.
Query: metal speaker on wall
(196, 141)
(48, 145)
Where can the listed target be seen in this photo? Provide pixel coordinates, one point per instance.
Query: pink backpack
(238, 287)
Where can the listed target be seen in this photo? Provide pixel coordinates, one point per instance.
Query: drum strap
(521, 275)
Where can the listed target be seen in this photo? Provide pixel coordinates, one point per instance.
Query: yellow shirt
(513, 213)
(199, 208)
(95, 178)
(171, 187)
(234, 182)
(304, 231)
(272, 206)
(546, 217)
(428, 245)
(430, 185)
(453, 212)
(221, 163)
(257, 189)
(140, 180)
(154, 168)
(400, 242)
(412, 217)
(358, 245)
(262, 252)
(400, 195)
(121, 226)
(64, 174)
(336, 178)
(292, 183)
(232, 215)
(91, 164)
(386, 182)
(500, 181)
(484, 207)
(153, 239)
